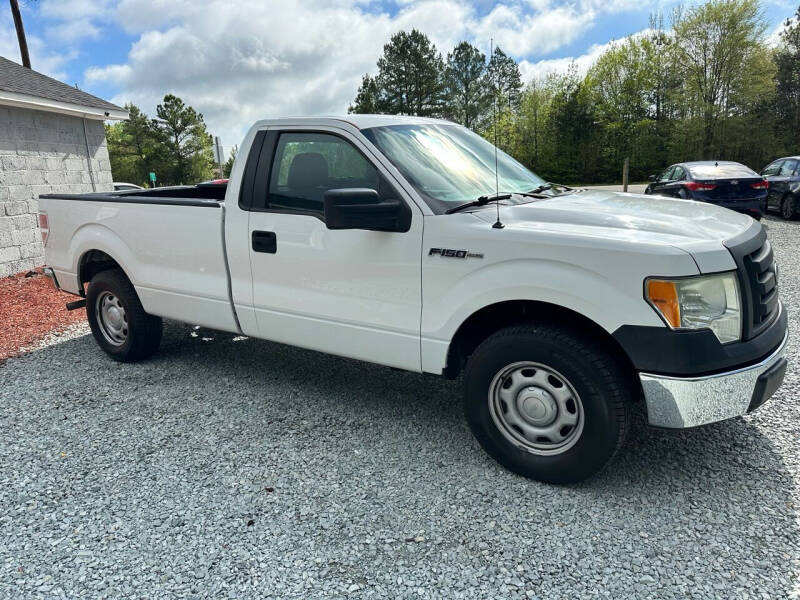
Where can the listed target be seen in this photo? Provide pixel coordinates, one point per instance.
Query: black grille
(757, 279)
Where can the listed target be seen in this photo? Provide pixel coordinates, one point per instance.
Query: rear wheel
(546, 403)
(788, 207)
(117, 319)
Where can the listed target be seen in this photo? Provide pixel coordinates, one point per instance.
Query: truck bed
(170, 241)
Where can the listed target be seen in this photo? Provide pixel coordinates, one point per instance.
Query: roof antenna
(497, 224)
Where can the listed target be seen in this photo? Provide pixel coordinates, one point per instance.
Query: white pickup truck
(401, 242)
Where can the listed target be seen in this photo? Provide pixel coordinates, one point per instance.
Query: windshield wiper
(549, 186)
(481, 201)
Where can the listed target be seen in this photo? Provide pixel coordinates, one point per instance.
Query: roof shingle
(21, 80)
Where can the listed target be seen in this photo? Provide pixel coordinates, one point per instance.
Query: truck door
(350, 292)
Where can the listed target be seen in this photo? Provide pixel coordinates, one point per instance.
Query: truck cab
(414, 243)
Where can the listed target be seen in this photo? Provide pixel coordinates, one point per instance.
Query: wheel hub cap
(537, 406)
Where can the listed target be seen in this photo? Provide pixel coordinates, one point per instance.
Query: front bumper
(679, 402)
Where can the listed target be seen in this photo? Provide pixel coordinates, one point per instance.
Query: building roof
(20, 86)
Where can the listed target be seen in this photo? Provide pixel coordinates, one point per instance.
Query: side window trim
(263, 172)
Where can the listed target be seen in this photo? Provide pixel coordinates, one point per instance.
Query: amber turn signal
(663, 295)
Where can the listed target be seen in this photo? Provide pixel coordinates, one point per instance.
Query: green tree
(505, 78)
(132, 147)
(181, 130)
(467, 93)
(787, 63)
(725, 65)
(410, 76)
(368, 97)
(227, 167)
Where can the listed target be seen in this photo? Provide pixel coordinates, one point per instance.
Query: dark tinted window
(773, 168)
(666, 175)
(306, 165)
(788, 167)
(721, 171)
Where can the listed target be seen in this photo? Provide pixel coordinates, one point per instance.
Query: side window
(306, 165)
(679, 174)
(788, 167)
(772, 169)
(667, 175)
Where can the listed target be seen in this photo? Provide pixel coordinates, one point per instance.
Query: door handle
(265, 241)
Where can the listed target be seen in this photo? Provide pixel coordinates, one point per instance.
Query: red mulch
(30, 308)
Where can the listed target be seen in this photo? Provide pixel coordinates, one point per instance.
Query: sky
(237, 61)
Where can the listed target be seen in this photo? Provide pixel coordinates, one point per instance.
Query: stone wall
(42, 153)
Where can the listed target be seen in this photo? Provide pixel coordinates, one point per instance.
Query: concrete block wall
(42, 153)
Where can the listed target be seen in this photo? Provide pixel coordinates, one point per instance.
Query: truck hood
(694, 227)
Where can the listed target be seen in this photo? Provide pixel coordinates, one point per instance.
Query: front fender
(610, 299)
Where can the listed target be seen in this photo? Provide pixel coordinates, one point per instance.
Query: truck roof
(359, 121)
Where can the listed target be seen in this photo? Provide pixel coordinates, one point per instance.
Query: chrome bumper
(678, 402)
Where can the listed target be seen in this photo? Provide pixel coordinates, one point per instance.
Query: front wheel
(117, 319)
(547, 403)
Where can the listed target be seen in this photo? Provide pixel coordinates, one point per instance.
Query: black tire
(142, 332)
(788, 207)
(600, 379)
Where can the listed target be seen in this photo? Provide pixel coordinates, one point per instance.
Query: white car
(120, 186)
(385, 239)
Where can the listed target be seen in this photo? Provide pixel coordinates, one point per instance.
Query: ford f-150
(408, 242)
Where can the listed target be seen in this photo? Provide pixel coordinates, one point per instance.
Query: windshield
(449, 164)
(721, 171)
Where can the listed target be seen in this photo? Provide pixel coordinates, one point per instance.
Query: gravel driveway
(229, 467)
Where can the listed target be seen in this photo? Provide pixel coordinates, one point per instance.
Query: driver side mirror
(362, 208)
(651, 177)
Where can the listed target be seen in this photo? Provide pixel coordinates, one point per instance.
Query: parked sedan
(728, 184)
(121, 186)
(783, 176)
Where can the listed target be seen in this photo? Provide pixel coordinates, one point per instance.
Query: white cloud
(73, 20)
(542, 68)
(43, 59)
(240, 60)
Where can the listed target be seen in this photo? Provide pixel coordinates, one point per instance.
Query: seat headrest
(308, 170)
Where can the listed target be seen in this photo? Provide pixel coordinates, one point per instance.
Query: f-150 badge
(450, 253)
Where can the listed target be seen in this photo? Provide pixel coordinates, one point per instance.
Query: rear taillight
(44, 227)
(696, 186)
(760, 185)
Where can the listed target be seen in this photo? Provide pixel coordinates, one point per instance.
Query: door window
(679, 174)
(772, 169)
(667, 175)
(306, 165)
(788, 167)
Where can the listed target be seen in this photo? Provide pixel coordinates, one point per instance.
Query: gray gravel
(240, 468)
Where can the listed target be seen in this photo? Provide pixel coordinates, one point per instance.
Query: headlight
(703, 302)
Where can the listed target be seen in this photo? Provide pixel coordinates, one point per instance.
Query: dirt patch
(31, 308)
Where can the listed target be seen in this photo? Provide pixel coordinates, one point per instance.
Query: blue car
(784, 185)
(724, 183)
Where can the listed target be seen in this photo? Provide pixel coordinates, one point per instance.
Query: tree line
(706, 86)
(175, 145)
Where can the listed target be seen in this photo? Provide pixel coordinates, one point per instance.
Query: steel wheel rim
(111, 318)
(536, 408)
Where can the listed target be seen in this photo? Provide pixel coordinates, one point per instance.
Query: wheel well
(490, 319)
(92, 263)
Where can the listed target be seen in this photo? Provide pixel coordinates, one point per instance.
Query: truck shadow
(346, 424)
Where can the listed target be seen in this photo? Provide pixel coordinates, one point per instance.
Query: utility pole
(220, 156)
(23, 43)
(625, 168)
